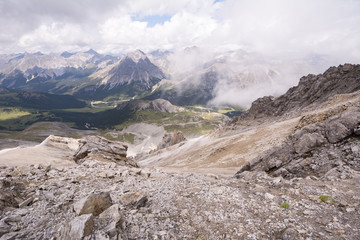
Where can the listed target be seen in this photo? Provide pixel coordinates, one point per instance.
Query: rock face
(137, 199)
(99, 148)
(170, 139)
(10, 193)
(312, 89)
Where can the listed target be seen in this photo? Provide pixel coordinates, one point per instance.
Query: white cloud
(123, 34)
(295, 28)
(282, 28)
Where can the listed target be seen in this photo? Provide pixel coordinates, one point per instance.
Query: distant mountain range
(190, 77)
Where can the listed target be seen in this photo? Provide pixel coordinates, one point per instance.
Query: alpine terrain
(127, 165)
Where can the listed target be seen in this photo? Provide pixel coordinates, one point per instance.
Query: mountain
(52, 73)
(66, 54)
(159, 105)
(133, 75)
(229, 78)
(157, 112)
(189, 77)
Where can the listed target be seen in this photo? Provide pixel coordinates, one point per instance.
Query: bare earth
(55, 154)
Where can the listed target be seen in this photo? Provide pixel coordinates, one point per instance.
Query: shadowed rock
(78, 228)
(94, 203)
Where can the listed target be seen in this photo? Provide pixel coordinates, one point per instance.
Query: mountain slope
(324, 142)
(266, 126)
(9, 98)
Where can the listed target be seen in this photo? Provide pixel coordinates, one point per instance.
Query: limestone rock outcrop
(170, 139)
(99, 148)
(314, 149)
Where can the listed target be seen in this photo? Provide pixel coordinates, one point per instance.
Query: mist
(239, 77)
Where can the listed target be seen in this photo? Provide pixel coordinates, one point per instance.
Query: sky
(279, 28)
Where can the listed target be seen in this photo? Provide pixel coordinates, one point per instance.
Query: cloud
(296, 28)
(281, 28)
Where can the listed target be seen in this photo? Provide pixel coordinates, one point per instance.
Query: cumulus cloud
(296, 28)
(281, 27)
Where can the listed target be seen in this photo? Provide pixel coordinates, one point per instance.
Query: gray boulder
(109, 220)
(78, 228)
(136, 200)
(308, 141)
(94, 203)
(342, 126)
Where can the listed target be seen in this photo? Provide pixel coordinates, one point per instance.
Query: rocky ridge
(324, 140)
(311, 91)
(316, 149)
(170, 139)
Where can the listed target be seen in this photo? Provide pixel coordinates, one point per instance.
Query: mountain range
(189, 77)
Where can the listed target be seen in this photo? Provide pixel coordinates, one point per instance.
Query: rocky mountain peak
(136, 69)
(92, 51)
(66, 54)
(136, 56)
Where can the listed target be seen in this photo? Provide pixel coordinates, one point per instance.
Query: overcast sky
(275, 28)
